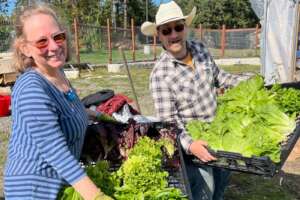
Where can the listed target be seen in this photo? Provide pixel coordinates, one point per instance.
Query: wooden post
(256, 36)
(200, 30)
(130, 81)
(223, 40)
(125, 18)
(133, 39)
(154, 47)
(76, 40)
(109, 42)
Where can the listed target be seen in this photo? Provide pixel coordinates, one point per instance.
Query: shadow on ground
(283, 186)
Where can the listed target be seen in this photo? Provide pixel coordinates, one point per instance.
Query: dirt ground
(283, 186)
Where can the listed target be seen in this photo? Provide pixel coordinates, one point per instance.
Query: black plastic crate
(175, 167)
(253, 165)
(177, 177)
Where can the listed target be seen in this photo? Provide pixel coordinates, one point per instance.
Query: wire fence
(6, 35)
(100, 44)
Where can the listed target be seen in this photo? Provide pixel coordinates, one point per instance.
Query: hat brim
(150, 28)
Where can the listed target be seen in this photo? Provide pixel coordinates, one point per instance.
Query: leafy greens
(248, 121)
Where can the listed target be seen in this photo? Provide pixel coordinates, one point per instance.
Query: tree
(3, 7)
(137, 11)
(97, 11)
(215, 13)
(91, 14)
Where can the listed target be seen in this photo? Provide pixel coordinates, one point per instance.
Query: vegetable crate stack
(134, 161)
(255, 128)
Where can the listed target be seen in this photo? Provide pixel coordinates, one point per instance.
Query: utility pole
(113, 14)
(125, 17)
(147, 10)
(147, 41)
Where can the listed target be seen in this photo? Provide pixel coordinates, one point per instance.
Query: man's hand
(220, 91)
(198, 148)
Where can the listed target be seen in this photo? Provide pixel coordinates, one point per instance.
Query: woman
(49, 122)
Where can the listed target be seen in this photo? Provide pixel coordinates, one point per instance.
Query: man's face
(173, 37)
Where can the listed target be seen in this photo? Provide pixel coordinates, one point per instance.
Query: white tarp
(279, 22)
(278, 38)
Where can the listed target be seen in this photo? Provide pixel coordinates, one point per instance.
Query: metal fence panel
(94, 46)
(6, 35)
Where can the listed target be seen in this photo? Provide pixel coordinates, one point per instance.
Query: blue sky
(157, 2)
(11, 5)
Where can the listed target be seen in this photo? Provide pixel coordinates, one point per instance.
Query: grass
(241, 187)
(252, 187)
(101, 56)
(4, 137)
(235, 53)
(235, 69)
(118, 82)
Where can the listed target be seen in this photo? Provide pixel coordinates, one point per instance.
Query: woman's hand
(97, 116)
(199, 149)
(102, 196)
(88, 190)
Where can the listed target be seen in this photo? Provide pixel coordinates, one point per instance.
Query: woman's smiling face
(45, 42)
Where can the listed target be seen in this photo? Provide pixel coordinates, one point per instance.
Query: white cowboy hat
(166, 13)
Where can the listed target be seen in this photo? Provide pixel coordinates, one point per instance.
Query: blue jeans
(207, 183)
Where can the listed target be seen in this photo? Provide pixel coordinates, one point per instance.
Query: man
(184, 85)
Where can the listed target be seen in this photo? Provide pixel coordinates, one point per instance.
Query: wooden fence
(135, 37)
(199, 30)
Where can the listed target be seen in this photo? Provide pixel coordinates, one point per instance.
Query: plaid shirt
(182, 94)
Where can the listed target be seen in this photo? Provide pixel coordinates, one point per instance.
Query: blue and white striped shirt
(47, 136)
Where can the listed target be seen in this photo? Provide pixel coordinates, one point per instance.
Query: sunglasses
(59, 38)
(168, 30)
